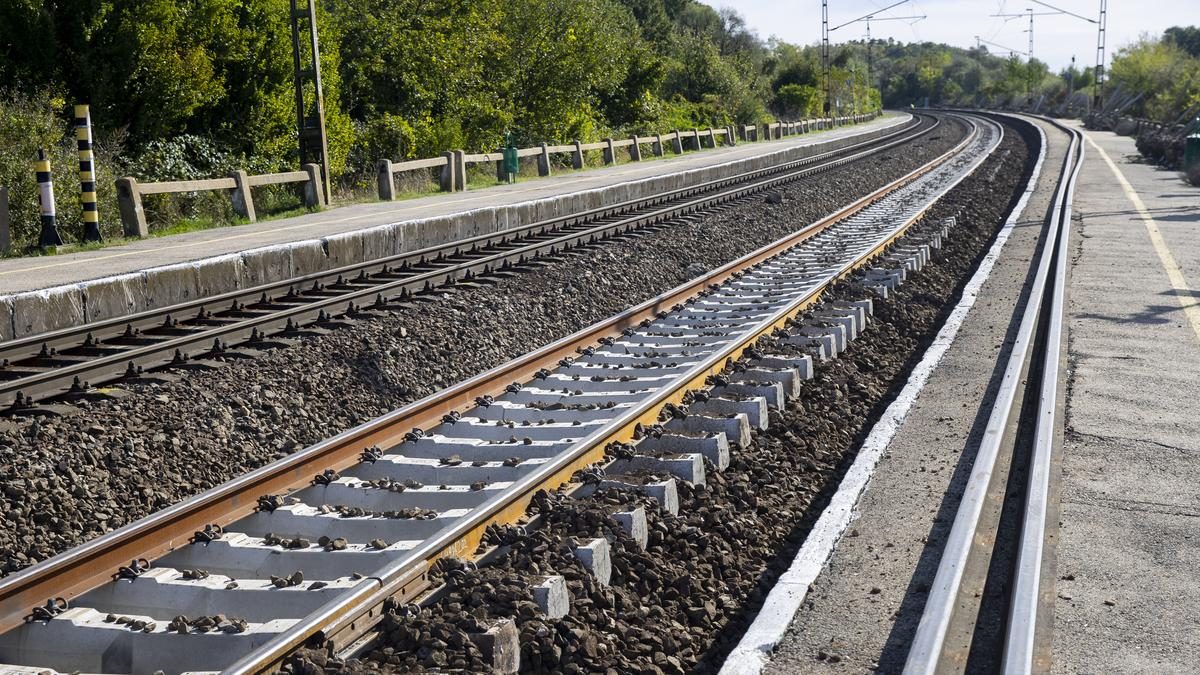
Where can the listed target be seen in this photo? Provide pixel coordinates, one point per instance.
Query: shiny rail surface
(82, 361)
(1028, 395)
(310, 547)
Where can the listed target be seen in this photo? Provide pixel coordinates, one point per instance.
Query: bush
(29, 122)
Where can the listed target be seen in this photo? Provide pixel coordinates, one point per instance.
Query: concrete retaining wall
(36, 312)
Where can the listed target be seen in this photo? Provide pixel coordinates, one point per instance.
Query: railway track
(311, 547)
(39, 373)
(1022, 439)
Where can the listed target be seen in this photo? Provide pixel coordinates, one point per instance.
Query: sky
(1055, 38)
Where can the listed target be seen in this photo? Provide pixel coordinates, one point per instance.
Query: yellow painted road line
(1172, 268)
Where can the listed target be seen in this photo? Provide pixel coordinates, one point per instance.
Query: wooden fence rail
(130, 193)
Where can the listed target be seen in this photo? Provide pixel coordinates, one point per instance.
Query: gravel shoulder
(862, 611)
(67, 480)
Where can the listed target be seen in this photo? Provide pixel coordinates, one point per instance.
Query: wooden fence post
(447, 182)
(610, 153)
(577, 156)
(129, 201)
(657, 146)
(677, 143)
(314, 195)
(635, 150)
(383, 178)
(544, 161)
(5, 222)
(243, 200)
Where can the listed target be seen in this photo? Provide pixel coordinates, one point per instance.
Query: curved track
(312, 546)
(1024, 430)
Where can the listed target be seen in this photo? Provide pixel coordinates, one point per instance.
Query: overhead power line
(1060, 10)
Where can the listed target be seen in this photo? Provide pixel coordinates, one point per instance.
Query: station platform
(43, 293)
(1126, 590)
(1128, 593)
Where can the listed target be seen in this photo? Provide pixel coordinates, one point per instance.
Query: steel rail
(298, 311)
(342, 621)
(1020, 640)
(929, 652)
(76, 571)
(82, 568)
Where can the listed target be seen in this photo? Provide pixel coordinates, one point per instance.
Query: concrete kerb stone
(522, 214)
(544, 209)
(113, 297)
(172, 284)
(216, 275)
(308, 257)
(432, 231)
(378, 242)
(262, 265)
(480, 221)
(686, 466)
(46, 310)
(501, 216)
(6, 319)
(344, 249)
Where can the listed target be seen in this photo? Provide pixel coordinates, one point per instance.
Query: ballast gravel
(682, 604)
(67, 480)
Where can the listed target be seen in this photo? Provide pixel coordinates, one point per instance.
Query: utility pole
(1029, 63)
(871, 60)
(1071, 82)
(825, 53)
(871, 45)
(826, 30)
(1101, 35)
(1098, 101)
(314, 143)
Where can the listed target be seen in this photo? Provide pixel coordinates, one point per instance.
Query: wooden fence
(454, 164)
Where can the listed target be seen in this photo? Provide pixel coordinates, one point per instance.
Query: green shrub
(29, 122)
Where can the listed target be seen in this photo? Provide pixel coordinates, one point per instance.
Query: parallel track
(75, 362)
(1024, 430)
(491, 443)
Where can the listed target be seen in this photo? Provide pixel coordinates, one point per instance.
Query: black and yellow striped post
(87, 173)
(50, 236)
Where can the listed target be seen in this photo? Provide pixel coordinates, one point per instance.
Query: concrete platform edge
(30, 313)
